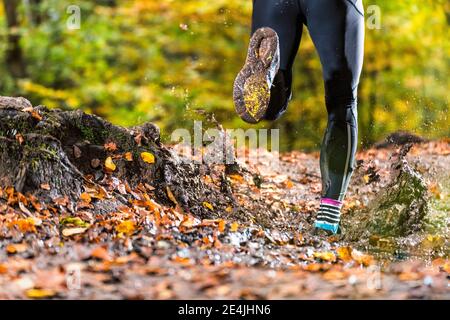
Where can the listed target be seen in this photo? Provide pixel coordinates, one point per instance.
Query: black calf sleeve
(337, 30)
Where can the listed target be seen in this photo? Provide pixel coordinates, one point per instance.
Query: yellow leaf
(234, 227)
(109, 164)
(344, 253)
(208, 205)
(326, 256)
(366, 178)
(237, 178)
(361, 258)
(148, 157)
(25, 225)
(126, 227)
(40, 293)
(229, 209)
(73, 231)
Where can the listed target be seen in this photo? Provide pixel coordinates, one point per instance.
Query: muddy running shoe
(251, 91)
(319, 231)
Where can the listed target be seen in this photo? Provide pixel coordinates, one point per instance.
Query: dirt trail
(91, 210)
(259, 247)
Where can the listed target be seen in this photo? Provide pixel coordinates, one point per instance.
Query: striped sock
(329, 215)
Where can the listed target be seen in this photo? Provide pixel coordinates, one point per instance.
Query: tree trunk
(54, 153)
(14, 59)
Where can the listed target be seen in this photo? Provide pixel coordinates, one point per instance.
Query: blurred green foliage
(159, 60)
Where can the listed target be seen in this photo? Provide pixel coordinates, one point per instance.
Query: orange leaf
(127, 227)
(110, 146)
(101, 253)
(86, 197)
(16, 248)
(344, 253)
(128, 156)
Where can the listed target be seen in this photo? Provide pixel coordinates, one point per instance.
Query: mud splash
(403, 220)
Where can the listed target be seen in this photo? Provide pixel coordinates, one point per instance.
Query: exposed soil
(89, 210)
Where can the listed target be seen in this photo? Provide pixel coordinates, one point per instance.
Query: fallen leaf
(237, 178)
(126, 227)
(109, 164)
(16, 248)
(128, 156)
(24, 209)
(45, 186)
(171, 196)
(110, 146)
(221, 226)
(344, 253)
(326, 256)
(361, 258)
(86, 197)
(189, 221)
(73, 231)
(208, 205)
(101, 253)
(75, 221)
(288, 184)
(40, 293)
(234, 227)
(27, 225)
(148, 157)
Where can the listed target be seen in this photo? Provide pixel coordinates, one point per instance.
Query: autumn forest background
(146, 60)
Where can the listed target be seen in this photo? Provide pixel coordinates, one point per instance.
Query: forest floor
(260, 247)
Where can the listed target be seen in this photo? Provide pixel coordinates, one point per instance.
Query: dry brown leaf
(101, 253)
(45, 186)
(73, 231)
(171, 196)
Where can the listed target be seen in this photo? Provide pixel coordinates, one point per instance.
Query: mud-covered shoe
(251, 91)
(326, 230)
